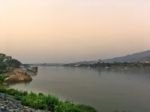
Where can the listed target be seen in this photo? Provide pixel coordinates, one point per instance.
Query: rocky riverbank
(14, 71)
(9, 104)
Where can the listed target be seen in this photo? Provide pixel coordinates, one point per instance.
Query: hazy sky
(73, 30)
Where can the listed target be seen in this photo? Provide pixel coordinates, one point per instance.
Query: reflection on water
(105, 89)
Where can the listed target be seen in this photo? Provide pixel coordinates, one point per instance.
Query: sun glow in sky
(73, 30)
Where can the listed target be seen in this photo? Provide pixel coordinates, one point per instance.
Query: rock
(32, 70)
(17, 75)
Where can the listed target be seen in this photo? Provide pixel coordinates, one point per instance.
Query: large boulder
(17, 75)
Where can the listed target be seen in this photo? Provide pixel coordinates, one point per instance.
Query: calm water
(106, 90)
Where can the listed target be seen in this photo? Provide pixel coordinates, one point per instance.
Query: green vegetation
(7, 63)
(45, 102)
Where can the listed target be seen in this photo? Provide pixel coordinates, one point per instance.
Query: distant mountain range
(136, 57)
(143, 57)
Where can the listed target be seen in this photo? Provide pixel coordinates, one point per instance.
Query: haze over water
(72, 30)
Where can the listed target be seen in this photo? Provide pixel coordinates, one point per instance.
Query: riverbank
(9, 104)
(12, 100)
(39, 101)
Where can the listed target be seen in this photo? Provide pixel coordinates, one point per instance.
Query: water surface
(106, 90)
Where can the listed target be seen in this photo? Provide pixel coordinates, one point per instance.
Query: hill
(136, 57)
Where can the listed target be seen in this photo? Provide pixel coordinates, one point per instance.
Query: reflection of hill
(129, 71)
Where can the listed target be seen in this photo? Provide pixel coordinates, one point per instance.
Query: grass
(44, 102)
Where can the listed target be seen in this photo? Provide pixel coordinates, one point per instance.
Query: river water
(106, 90)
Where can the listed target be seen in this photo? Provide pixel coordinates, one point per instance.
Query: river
(106, 90)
